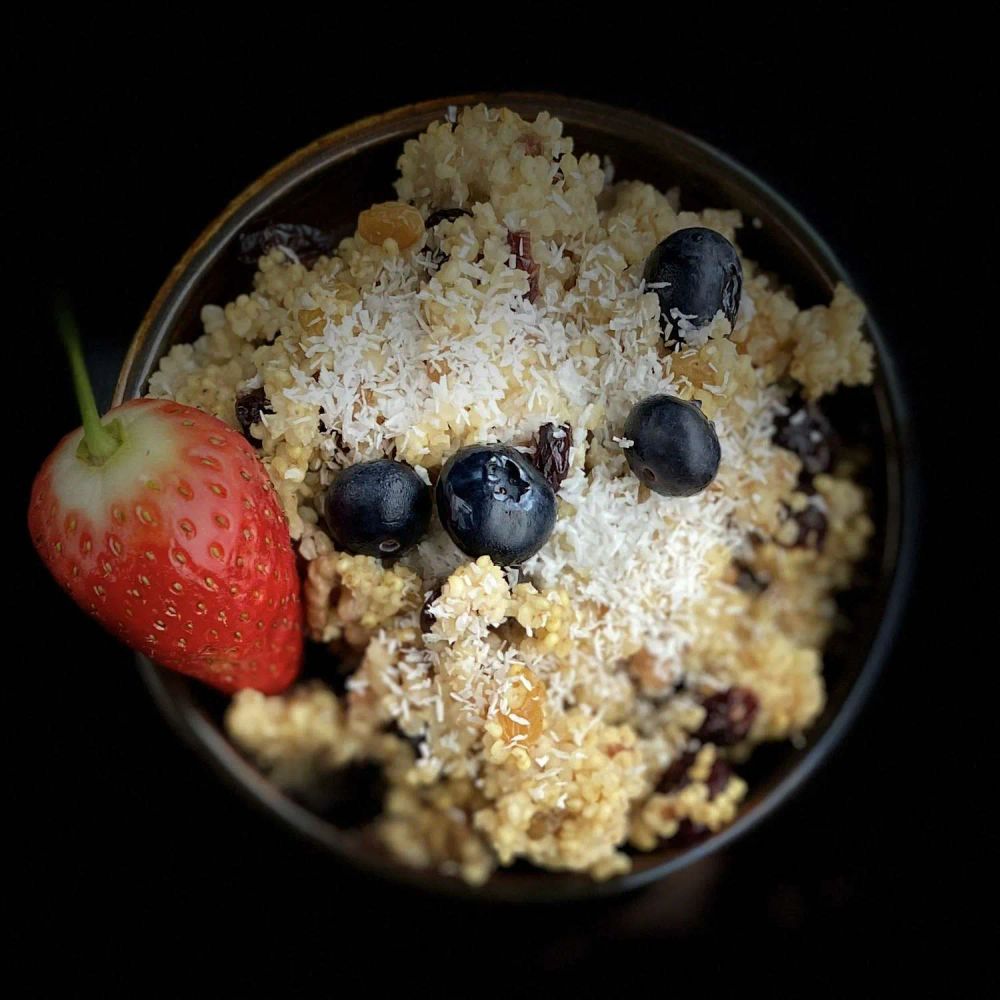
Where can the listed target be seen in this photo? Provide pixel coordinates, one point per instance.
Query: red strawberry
(163, 524)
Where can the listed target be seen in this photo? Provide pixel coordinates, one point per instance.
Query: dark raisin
(729, 715)
(250, 404)
(718, 777)
(445, 215)
(689, 833)
(353, 794)
(748, 581)
(807, 433)
(519, 242)
(676, 776)
(812, 527)
(433, 258)
(426, 618)
(552, 453)
(307, 242)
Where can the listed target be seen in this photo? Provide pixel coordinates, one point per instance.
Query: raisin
(812, 526)
(445, 215)
(249, 407)
(433, 258)
(718, 777)
(552, 453)
(808, 434)
(676, 776)
(689, 832)
(426, 618)
(307, 242)
(519, 241)
(729, 715)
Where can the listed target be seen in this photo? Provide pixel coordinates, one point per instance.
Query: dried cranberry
(729, 715)
(808, 434)
(552, 453)
(445, 215)
(249, 406)
(519, 241)
(812, 527)
(307, 242)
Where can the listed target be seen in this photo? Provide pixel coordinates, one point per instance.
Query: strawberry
(162, 523)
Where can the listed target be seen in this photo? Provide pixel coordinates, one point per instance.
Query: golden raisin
(391, 220)
(523, 707)
(312, 320)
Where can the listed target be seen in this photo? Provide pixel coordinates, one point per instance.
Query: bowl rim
(902, 517)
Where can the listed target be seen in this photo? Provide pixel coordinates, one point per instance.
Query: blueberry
(697, 272)
(675, 451)
(494, 502)
(377, 508)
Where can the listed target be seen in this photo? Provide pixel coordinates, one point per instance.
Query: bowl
(309, 186)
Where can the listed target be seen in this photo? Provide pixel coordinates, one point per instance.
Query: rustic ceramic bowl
(327, 184)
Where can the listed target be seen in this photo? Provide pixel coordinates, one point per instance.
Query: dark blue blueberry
(675, 450)
(697, 272)
(494, 502)
(377, 508)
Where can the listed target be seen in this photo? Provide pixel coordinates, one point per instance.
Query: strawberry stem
(100, 441)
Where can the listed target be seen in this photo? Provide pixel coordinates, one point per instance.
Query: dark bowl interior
(327, 184)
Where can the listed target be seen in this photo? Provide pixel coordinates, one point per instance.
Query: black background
(139, 862)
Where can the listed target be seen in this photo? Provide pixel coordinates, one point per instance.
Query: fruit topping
(379, 508)
(675, 450)
(695, 273)
(492, 501)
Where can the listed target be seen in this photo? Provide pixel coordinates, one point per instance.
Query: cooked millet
(544, 706)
